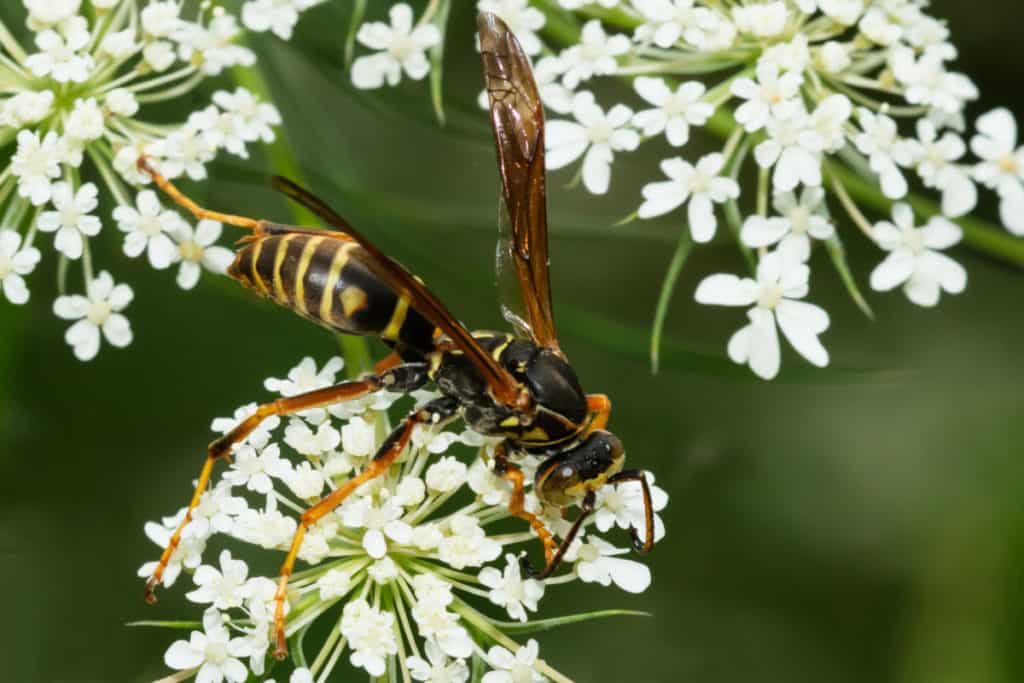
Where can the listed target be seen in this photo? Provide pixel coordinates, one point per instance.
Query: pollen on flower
(410, 565)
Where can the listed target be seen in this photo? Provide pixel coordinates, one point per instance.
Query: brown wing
(517, 118)
(503, 386)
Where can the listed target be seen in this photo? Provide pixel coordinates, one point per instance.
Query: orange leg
(509, 472)
(601, 406)
(257, 226)
(401, 378)
(387, 362)
(434, 412)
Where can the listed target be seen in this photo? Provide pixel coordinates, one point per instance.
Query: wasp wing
(517, 118)
(503, 386)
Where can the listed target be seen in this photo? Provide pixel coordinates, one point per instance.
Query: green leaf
(479, 669)
(182, 625)
(518, 628)
(838, 255)
(358, 10)
(675, 268)
(437, 60)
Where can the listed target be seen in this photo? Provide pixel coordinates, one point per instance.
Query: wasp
(518, 386)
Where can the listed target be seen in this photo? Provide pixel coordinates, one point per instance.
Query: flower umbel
(416, 568)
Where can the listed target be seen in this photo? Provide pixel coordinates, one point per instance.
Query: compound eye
(554, 483)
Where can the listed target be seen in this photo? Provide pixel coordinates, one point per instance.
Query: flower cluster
(71, 120)
(827, 100)
(403, 570)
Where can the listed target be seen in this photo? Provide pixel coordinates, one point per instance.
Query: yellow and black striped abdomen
(326, 280)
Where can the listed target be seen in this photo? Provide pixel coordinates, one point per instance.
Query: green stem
(981, 235)
(355, 350)
(675, 267)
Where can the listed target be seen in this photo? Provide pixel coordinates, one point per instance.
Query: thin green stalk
(675, 267)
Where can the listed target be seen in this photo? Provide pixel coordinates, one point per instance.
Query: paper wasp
(517, 386)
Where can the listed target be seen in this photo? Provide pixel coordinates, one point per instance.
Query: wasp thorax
(564, 478)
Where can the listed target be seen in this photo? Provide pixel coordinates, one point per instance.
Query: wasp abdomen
(327, 280)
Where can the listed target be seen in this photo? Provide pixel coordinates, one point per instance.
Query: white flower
(85, 122)
(1002, 165)
(524, 21)
(881, 142)
(71, 221)
(793, 147)
(199, 248)
(765, 95)
(160, 19)
(622, 505)
(517, 668)
(702, 185)
(299, 436)
(213, 651)
(596, 562)
(254, 466)
(666, 21)
(829, 121)
(798, 221)
(188, 554)
(224, 588)
(25, 108)
(35, 164)
(845, 12)
(268, 527)
(148, 228)
(47, 12)
(121, 102)
(99, 310)
(304, 378)
(676, 111)
(763, 20)
(380, 522)
(509, 590)
(492, 489)
(595, 133)
(16, 261)
(781, 281)
(467, 545)
(937, 169)
(401, 47)
(437, 668)
(833, 57)
(928, 83)
(251, 118)
(59, 56)
(334, 584)
(447, 474)
(593, 56)
(914, 260)
(279, 16)
(371, 634)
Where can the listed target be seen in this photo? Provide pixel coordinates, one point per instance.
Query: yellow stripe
(282, 251)
(300, 273)
(397, 320)
(257, 280)
(337, 263)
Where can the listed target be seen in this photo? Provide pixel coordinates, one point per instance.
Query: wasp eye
(566, 472)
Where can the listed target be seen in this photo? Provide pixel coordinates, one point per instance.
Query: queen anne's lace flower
(99, 310)
(702, 185)
(74, 118)
(397, 568)
(400, 47)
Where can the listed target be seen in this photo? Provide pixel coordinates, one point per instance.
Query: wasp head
(566, 477)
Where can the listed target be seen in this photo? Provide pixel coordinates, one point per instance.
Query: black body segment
(328, 281)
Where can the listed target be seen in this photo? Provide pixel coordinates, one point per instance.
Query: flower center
(99, 311)
(402, 48)
(770, 297)
(190, 251)
(521, 673)
(800, 218)
(69, 216)
(1008, 164)
(216, 652)
(914, 240)
(600, 132)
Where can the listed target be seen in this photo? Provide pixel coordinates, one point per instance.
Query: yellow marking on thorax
(282, 251)
(397, 319)
(337, 263)
(300, 273)
(353, 300)
(257, 247)
(500, 348)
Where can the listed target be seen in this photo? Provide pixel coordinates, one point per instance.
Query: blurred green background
(862, 523)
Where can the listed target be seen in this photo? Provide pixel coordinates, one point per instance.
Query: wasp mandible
(517, 386)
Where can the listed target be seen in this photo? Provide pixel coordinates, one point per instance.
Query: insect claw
(281, 651)
(149, 595)
(638, 543)
(527, 567)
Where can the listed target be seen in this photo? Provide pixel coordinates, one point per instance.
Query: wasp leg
(642, 547)
(586, 509)
(387, 362)
(601, 406)
(433, 412)
(257, 226)
(511, 473)
(402, 378)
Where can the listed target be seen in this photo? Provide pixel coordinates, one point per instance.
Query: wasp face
(566, 477)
